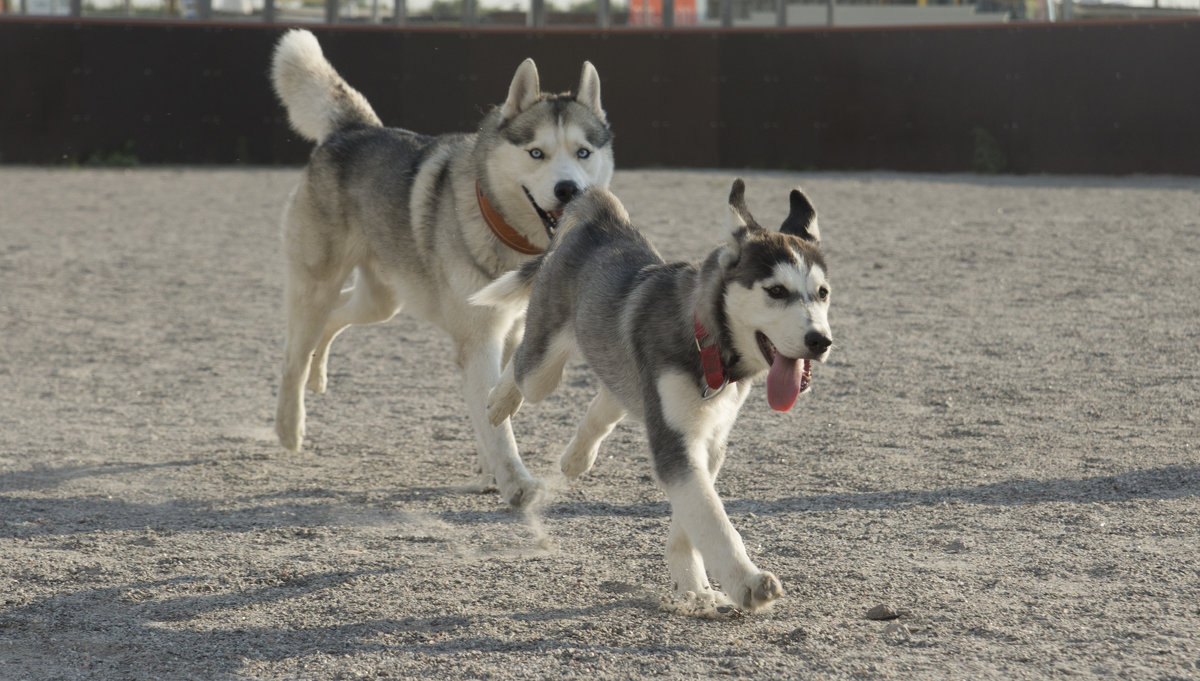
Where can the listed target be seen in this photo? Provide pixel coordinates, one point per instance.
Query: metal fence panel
(1070, 98)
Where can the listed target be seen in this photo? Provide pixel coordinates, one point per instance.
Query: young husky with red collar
(679, 346)
(424, 221)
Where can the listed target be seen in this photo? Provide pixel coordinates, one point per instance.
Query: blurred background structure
(613, 13)
(1017, 86)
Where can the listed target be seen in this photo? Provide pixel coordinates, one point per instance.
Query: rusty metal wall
(1066, 98)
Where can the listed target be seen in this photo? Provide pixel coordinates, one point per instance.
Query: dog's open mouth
(549, 218)
(788, 376)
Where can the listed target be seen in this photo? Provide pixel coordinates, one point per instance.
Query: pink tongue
(783, 382)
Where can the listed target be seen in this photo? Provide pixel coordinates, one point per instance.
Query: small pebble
(882, 612)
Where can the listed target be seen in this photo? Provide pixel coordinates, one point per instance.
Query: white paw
(504, 401)
(577, 460)
(290, 433)
(706, 604)
(317, 380)
(757, 592)
(525, 493)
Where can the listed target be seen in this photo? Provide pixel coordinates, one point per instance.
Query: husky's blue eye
(583, 152)
(777, 292)
(537, 153)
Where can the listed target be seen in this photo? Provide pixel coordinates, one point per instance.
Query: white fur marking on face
(785, 323)
(560, 144)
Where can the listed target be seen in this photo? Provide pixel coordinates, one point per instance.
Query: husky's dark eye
(777, 292)
(823, 293)
(583, 152)
(537, 154)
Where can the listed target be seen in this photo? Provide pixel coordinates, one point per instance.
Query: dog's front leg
(702, 523)
(481, 371)
(687, 437)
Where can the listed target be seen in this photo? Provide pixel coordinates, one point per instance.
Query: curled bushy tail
(318, 101)
(512, 289)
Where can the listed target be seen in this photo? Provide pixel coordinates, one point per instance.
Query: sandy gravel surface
(1003, 448)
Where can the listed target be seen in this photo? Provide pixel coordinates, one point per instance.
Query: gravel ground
(1002, 451)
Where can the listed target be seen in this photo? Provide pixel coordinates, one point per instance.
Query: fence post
(781, 13)
(604, 14)
(331, 11)
(537, 14)
(726, 13)
(829, 6)
(268, 11)
(468, 9)
(399, 13)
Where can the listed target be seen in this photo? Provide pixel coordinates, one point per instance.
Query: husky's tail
(512, 289)
(318, 101)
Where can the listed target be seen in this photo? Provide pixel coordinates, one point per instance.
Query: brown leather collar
(503, 231)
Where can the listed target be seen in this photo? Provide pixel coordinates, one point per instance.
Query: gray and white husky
(424, 222)
(677, 345)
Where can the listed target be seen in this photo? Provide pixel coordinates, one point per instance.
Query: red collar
(715, 375)
(503, 231)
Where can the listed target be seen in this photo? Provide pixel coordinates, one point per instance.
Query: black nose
(565, 191)
(817, 342)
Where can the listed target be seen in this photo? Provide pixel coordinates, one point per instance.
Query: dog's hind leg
(310, 300)
(370, 301)
(602, 416)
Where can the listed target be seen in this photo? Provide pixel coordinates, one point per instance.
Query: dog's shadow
(1166, 482)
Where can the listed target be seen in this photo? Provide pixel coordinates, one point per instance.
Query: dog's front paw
(289, 427)
(760, 591)
(706, 604)
(524, 494)
(504, 401)
(290, 431)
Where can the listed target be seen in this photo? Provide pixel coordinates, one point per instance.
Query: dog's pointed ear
(742, 219)
(802, 218)
(523, 91)
(588, 93)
